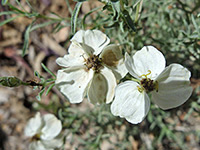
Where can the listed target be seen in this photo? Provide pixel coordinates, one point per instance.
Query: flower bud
(10, 81)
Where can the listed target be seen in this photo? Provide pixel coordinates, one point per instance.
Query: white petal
(88, 49)
(78, 36)
(112, 83)
(148, 58)
(120, 71)
(93, 38)
(52, 127)
(130, 66)
(140, 113)
(174, 72)
(113, 58)
(37, 145)
(84, 49)
(102, 86)
(70, 61)
(76, 50)
(130, 103)
(34, 125)
(54, 143)
(73, 83)
(173, 87)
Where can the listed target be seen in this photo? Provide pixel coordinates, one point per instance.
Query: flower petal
(130, 66)
(101, 88)
(38, 145)
(52, 127)
(173, 87)
(87, 50)
(112, 83)
(73, 82)
(93, 38)
(148, 58)
(112, 57)
(34, 125)
(140, 113)
(98, 89)
(76, 50)
(130, 103)
(70, 61)
(78, 36)
(54, 143)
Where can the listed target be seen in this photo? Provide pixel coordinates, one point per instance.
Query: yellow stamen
(140, 89)
(145, 75)
(83, 57)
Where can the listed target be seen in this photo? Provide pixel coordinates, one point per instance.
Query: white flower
(105, 1)
(170, 86)
(91, 68)
(45, 132)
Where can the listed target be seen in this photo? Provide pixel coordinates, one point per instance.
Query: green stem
(133, 79)
(45, 17)
(46, 84)
(121, 5)
(138, 11)
(31, 83)
(136, 80)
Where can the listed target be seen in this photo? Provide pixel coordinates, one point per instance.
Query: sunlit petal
(76, 50)
(33, 126)
(129, 103)
(52, 127)
(54, 143)
(130, 66)
(70, 61)
(93, 38)
(139, 115)
(112, 83)
(73, 83)
(38, 145)
(148, 58)
(173, 87)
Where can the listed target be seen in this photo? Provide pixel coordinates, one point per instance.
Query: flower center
(36, 137)
(94, 62)
(147, 84)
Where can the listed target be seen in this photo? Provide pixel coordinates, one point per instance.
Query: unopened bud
(10, 81)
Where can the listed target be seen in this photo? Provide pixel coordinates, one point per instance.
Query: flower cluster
(45, 132)
(93, 68)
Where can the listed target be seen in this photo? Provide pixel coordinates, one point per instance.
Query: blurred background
(41, 29)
